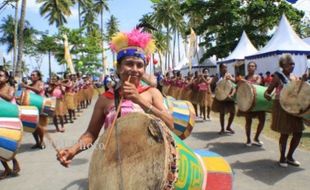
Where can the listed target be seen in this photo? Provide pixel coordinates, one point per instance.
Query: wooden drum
(11, 131)
(295, 99)
(144, 154)
(183, 114)
(250, 97)
(223, 89)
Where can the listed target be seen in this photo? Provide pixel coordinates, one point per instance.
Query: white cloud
(303, 5)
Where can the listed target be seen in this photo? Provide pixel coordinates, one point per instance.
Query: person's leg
(282, 146)
(222, 121)
(7, 170)
(70, 115)
(36, 137)
(208, 111)
(41, 137)
(16, 167)
(56, 123)
(230, 120)
(293, 145)
(203, 109)
(260, 127)
(248, 123)
(73, 113)
(61, 119)
(196, 111)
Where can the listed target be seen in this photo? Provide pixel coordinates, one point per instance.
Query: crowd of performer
(72, 93)
(198, 89)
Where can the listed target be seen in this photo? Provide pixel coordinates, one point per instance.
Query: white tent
(209, 63)
(284, 40)
(244, 48)
(307, 40)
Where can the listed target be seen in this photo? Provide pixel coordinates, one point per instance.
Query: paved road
(254, 168)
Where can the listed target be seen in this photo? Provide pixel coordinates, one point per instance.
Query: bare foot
(5, 174)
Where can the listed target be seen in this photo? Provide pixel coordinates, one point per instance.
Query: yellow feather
(150, 48)
(119, 41)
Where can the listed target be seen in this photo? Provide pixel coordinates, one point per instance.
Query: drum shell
(7, 109)
(258, 103)
(32, 99)
(29, 116)
(49, 106)
(296, 95)
(221, 93)
(11, 131)
(183, 114)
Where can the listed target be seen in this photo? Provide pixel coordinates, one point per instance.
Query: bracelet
(149, 110)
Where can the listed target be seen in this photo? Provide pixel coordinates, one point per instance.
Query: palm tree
(18, 70)
(161, 46)
(7, 30)
(89, 16)
(112, 28)
(15, 36)
(81, 4)
(47, 45)
(147, 23)
(56, 10)
(166, 13)
(100, 7)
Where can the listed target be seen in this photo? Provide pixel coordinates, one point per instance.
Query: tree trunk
(173, 49)
(15, 38)
(21, 39)
(168, 49)
(102, 45)
(49, 65)
(179, 47)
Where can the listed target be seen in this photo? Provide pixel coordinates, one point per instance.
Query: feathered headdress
(135, 43)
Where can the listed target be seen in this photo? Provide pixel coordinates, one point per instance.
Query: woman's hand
(65, 156)
(130, 92)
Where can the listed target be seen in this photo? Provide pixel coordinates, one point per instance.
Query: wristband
(149, 110)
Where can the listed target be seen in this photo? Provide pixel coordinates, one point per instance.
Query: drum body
(7, 109)
(11, 131)
(295, 99)
(250, 97)
(46, 106)
(183, 114)
(223, 89)
(144, 154)
(29, 116)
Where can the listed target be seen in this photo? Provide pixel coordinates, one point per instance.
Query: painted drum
(7, 109)
(49, 106)
(11, 131)
(183, 114)
(144, 154)
(250, 97)
(29, 116)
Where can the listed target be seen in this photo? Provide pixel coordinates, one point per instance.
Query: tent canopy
(244, 48)
(284, 40)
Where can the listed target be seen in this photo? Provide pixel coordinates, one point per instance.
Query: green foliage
(221, 22)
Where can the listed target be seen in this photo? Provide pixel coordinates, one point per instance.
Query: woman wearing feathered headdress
(132, 49)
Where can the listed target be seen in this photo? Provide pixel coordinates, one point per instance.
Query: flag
(192, 47)
(68, 57)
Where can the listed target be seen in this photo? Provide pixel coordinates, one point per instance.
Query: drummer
(249, 116)
(130, 63)
(224, 107)
(37, 86)
(7, 93)
(283, 122)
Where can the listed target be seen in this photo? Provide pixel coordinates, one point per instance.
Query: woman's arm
(87, 139)
(274, 83)
(36, 88)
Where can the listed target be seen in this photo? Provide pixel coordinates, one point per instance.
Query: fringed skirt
(284, 122)
(223, 106)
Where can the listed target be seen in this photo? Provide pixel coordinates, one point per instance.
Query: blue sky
(127, 12)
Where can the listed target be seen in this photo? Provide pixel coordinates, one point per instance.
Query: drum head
(245, 96)
(223, 89)
(294, 102)
(142, 151)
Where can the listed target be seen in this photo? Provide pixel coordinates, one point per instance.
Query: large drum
(223, 89)
(250, 97)
(29, 116)
(295, 99)
(46, 106)
(183, 114)
(144, 154)
(11, 131)
(7, 109)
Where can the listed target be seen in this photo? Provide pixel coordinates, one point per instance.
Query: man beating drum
(131, 49)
